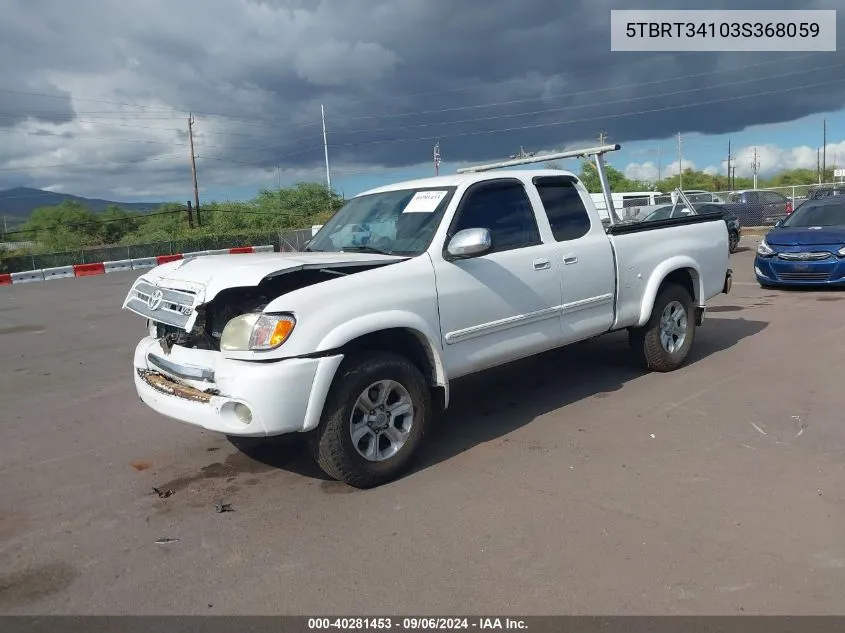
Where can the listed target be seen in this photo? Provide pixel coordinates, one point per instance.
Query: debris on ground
(162, 494)
(166, 541)
(223, 507)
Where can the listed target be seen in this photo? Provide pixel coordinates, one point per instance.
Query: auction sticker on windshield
(425, 202)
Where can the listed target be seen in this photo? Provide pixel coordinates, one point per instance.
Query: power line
(536, 112)
(578, 93)
(444, 110)
(590, 105)
(496, 117)
(597, 118)
(380, 99)
(101, 164)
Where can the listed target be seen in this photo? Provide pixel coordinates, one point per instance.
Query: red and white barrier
(61, 272)
(144, 262)
(27, 276)
(101, 268)
(118, 266)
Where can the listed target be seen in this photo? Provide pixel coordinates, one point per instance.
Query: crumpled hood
(211, 274)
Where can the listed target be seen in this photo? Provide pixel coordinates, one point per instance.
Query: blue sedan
(805, 249)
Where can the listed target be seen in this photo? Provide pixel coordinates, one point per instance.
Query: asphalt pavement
(569, 484)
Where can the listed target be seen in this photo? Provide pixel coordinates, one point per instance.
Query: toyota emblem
(155, 299)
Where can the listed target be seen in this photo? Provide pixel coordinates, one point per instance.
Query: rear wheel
(733, 241)
(664, 342)
(375, 417)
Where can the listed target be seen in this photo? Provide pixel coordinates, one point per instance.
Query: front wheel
(375, 417)
(664, 342)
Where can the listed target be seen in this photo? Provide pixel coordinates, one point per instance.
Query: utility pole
(733, 172)
(824, 149)
(818, 165)
(190, 216)
(658, 164)
(755, 167)
(194, 169)
(437, 159)
(730, 157)
(602, 135)
(326, 149)
(680, 165)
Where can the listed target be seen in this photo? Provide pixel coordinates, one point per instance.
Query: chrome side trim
(501, 325)
(583, 304)
(524, 319)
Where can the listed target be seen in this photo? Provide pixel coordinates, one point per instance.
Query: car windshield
(401, 222)
(816, 214)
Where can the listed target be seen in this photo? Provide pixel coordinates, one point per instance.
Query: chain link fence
(291, 241)
(754, 207)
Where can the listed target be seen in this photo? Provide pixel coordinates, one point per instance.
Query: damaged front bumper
(239, 398)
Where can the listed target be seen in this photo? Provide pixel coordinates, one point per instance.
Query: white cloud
(649, 171)
(770, 158)
(773, 159)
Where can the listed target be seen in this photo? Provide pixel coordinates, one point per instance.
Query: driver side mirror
(469, 243)
(778, 223)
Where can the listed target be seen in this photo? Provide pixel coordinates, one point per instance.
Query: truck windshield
(401, 222)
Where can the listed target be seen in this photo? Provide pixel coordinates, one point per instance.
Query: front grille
(804, 276)
(805, 257)
(175, 309)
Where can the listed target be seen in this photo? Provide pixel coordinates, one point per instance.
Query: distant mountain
(18, 204)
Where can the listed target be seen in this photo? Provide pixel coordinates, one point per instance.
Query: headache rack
(597, 153)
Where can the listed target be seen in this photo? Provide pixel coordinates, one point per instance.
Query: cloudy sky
(95, 94)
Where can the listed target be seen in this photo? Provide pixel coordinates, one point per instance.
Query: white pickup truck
(357, 345)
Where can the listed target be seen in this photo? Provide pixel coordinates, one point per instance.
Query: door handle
(542, 264)
(570, 259)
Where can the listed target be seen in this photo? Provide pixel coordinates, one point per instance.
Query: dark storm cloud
(394, 75)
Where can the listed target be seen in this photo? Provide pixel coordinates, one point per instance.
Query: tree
(67, 226)
(615, 179)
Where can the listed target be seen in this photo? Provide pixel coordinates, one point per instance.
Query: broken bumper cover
(204, 389)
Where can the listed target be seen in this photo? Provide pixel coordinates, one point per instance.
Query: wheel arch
(399, 336)
(683, 271)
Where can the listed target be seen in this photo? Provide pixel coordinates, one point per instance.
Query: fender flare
(659, 275)
(362, 326)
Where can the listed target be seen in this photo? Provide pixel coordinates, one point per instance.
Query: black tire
(331, 442)
(645, 341)
(733, 241)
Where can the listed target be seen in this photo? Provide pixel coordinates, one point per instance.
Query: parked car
(699, 195)
(825, 191)
(807, 248)
(731, 221)
(356, 346)
(759, 207)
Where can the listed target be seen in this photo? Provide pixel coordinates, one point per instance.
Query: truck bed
(697, 242)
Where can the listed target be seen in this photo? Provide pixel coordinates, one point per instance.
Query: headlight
(764, 250)
(256, 332)
(841, 252)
